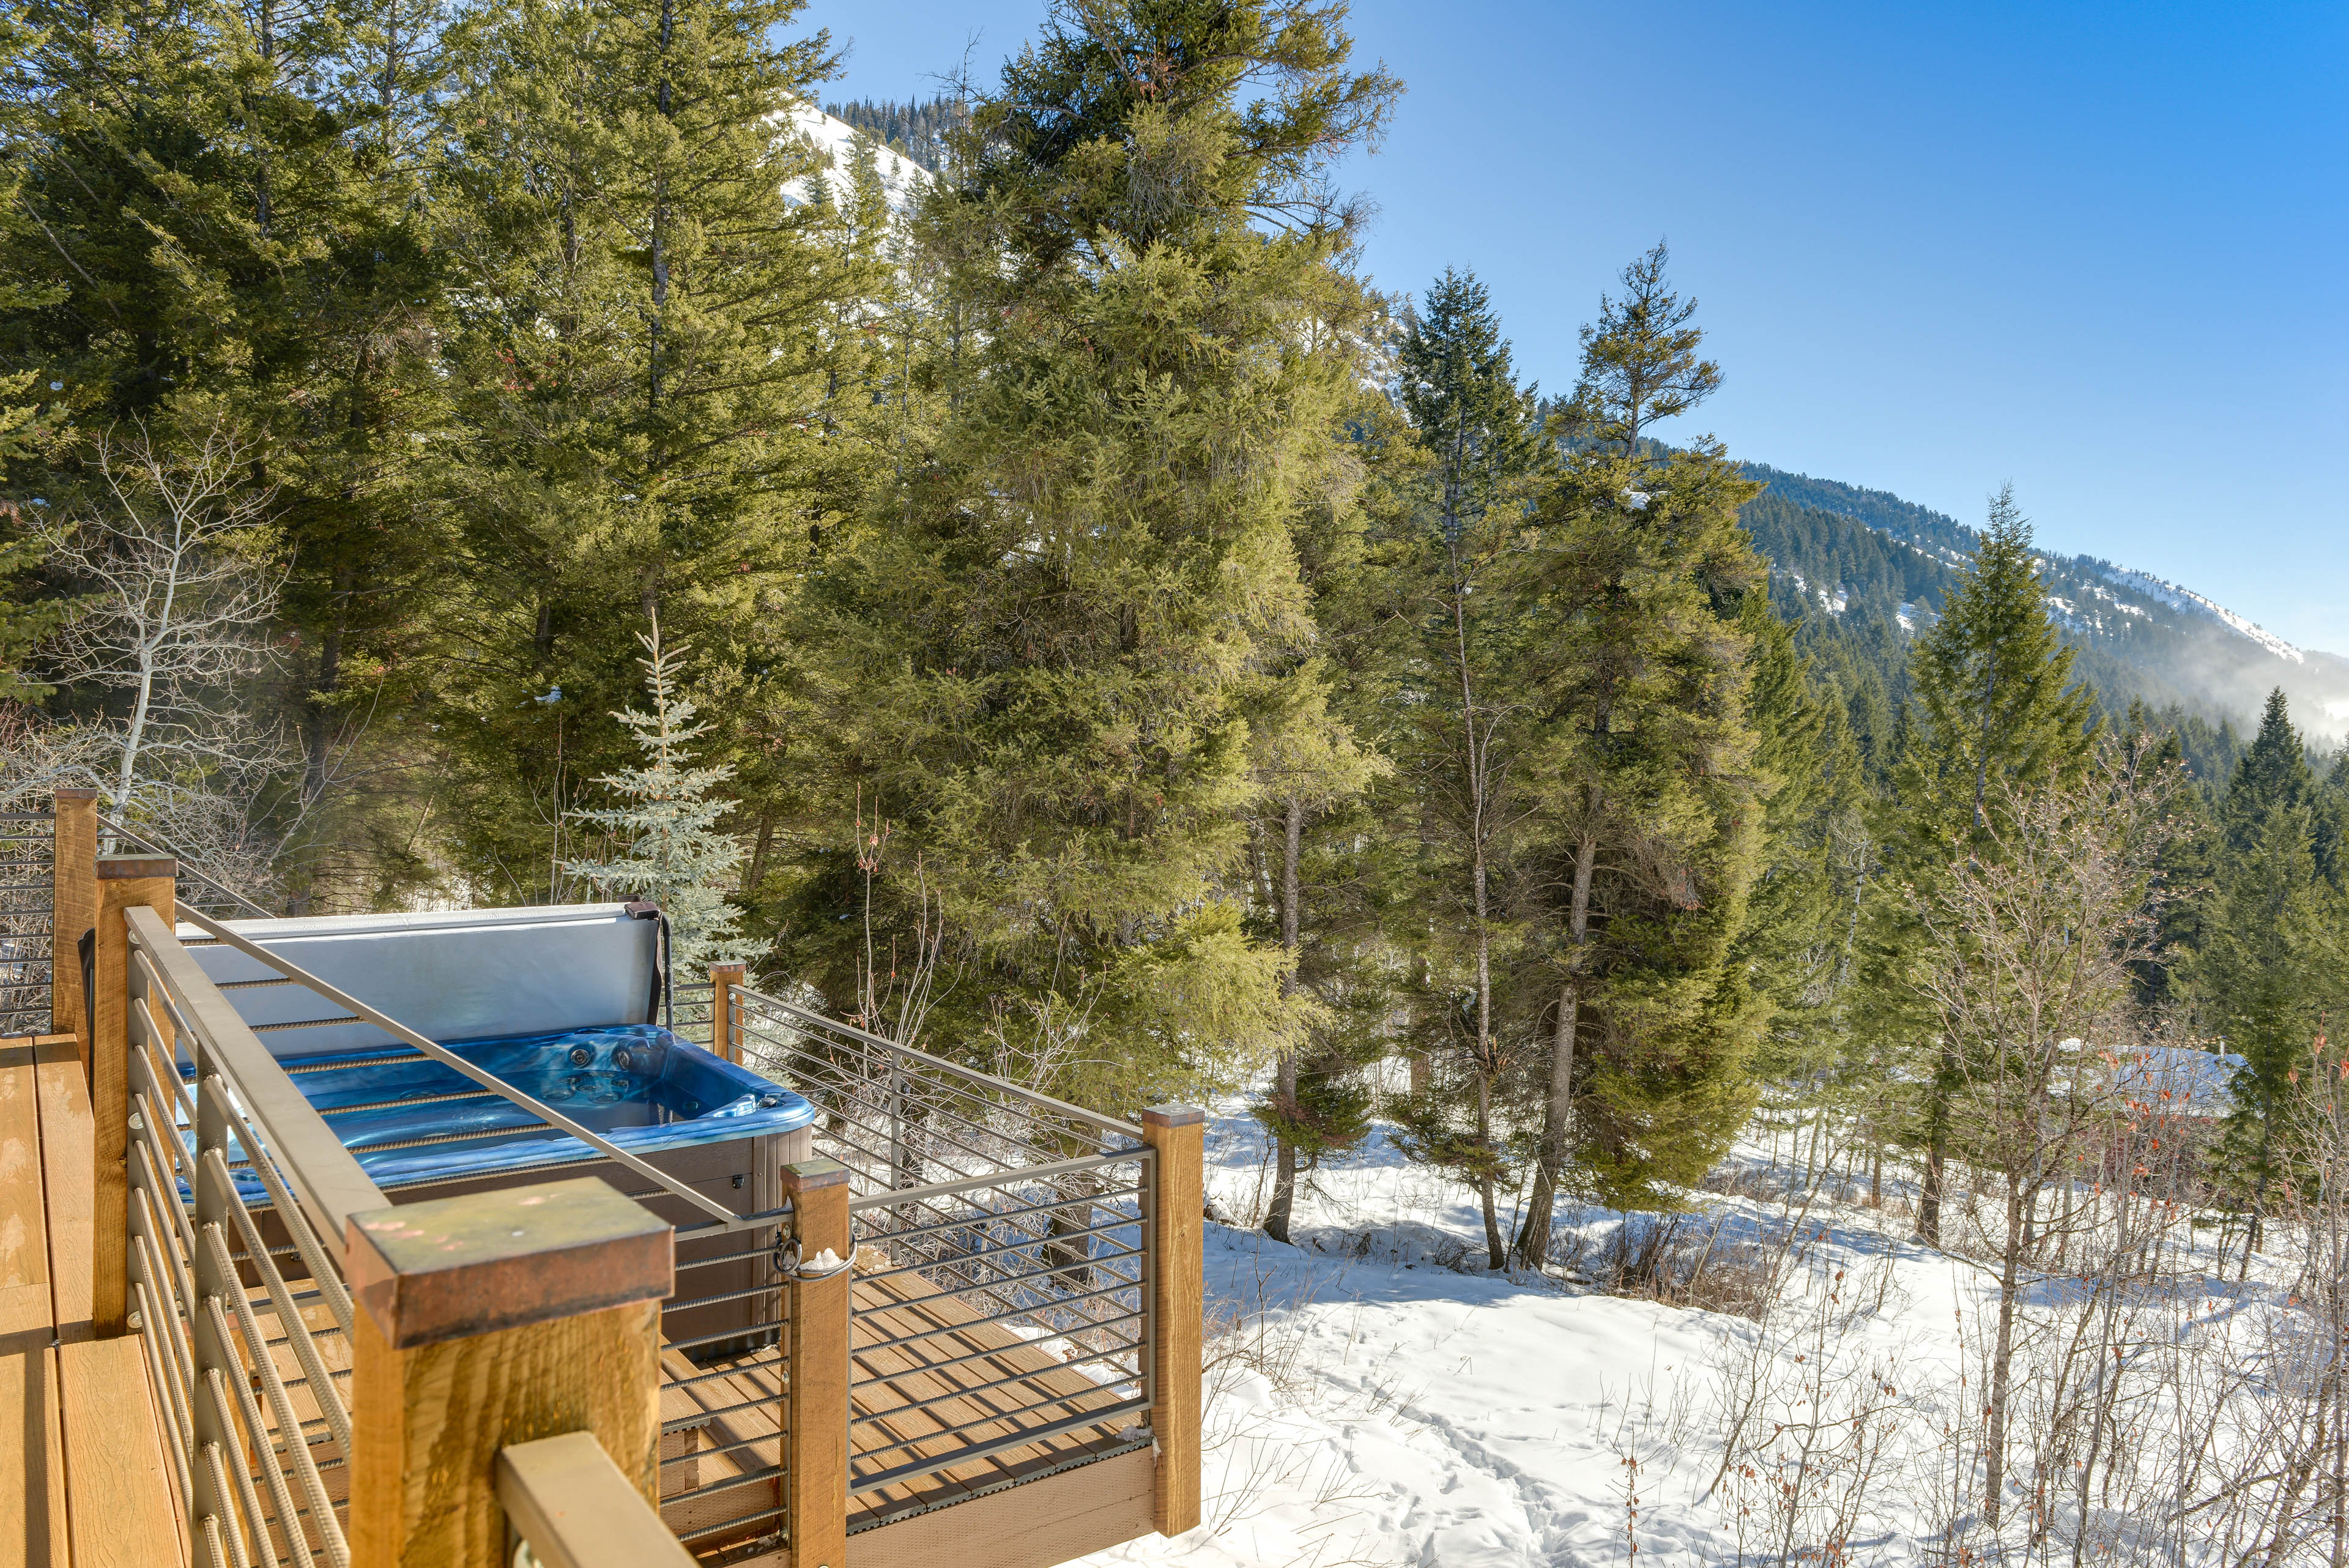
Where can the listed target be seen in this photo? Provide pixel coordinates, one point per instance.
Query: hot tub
(422, 1129)
(561, 1002)
(412, 1120)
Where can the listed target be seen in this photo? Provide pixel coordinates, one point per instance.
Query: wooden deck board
(67, 1154)
(116, 1493)
(80, 1435)
(25, 1303)
(32, 1449)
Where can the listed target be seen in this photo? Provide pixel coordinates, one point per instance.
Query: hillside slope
(1839, 550)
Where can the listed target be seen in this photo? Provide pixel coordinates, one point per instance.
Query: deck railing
(270, 1285)
(236, 1183)
(28, 840)
(978, 1205)
(998, 1306)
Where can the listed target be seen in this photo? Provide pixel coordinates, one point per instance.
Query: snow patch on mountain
(2192, 603)
(836, 141)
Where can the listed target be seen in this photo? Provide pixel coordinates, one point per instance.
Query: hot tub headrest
(464, 975)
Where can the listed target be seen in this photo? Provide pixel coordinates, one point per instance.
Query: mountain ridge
(2140, 634)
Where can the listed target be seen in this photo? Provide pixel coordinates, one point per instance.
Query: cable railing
(240, 1194)
(28, 918)
(899, 1118)
(1031, 1289)
(1002, 1303)
(988, 1255)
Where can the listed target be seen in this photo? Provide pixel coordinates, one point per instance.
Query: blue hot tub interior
(637, 1084)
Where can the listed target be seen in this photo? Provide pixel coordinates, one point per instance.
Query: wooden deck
(741, 1442)
(79, 1422)
(79, 1431)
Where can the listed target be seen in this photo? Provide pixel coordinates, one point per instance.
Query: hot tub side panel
(744, 1176)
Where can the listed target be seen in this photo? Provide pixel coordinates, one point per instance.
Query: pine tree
(1994, 694)
(1308, 765)
(227, 220)
(1042, 643)
(646, 355)
(1483, 450)
(25, 424)
(2271, 962)
(2273, 774)
(2184, 868)
(1640, 362)
(1994, 705)
(1651, 801)
(1815, 859)
(671, 851)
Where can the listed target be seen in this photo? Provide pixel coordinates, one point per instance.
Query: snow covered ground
(1370, 1403)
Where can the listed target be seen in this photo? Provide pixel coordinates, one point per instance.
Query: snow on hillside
(2192, 603)
(836, 140)
(1376, 1397)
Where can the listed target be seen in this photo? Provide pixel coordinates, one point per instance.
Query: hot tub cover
(452, 974)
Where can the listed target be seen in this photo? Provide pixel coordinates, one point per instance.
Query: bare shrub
(1811, 1417)
(1681, 1261)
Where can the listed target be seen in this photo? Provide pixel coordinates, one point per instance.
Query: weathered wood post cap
(460, 1266)
(813, 1175)
(130, 868)
(75, 792)
(1173, 1116)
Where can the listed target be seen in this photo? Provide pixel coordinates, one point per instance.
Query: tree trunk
(1495, 1248)
(318, 713)
(1284, 1170)
(1995, 1415)
(1558, 1108)
(1937, 1148)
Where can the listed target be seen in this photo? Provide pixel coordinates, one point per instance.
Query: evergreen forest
(462, 452)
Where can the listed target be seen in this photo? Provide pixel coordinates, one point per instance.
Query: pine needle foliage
(648, 283)
(1046, 638)
(671, 851)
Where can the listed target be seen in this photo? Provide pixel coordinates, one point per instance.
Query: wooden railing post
(1177, 1263)
(815, 1477)
(487, 1321)
(73, 909)
(123, 882)
(724, 1004)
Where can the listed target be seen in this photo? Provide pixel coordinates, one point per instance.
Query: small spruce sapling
(673, 854)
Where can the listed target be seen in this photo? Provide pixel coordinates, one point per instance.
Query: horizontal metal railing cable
(1001, 1301)
(937, 1066)
(899, 1197)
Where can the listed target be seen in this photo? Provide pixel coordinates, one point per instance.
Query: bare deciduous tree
(170, 556)
(2028, 953)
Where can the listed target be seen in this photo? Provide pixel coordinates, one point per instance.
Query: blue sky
(2102, 251)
